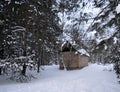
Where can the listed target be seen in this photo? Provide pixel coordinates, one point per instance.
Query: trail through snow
(93, 78)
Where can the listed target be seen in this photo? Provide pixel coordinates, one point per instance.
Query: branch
(97, 16)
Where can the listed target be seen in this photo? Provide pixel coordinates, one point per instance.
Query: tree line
(28, 32)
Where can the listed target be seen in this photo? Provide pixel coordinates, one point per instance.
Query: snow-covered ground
(93, 78)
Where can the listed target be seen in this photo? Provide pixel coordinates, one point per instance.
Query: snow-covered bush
(13, 68)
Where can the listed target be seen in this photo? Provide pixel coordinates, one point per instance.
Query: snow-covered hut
(72, 58)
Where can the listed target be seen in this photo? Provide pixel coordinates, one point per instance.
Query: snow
(75, 19)
(83, 52)
(9, 1)
(1, 22)
(91, 35)
(109, 33)
(115, 40)
(111, 16)
(63, 44)
(18, 28)
(105, 47)
(17, 2)
(118, 9)
(66, 37)
(89, 79)
(100, 40)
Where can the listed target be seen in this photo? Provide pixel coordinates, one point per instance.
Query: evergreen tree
(29, 31)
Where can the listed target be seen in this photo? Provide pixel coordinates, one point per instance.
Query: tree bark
(25, 39)
(24, 69)
(0, 71)
(40, 60)
(38, 66)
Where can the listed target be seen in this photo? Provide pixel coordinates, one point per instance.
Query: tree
(30, 30)
(106, 24)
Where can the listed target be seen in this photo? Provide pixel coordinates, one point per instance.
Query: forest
(32, 32)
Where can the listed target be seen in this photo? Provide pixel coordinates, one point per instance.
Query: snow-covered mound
(94, 78)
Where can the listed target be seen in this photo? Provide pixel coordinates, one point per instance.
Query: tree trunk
(38, 56)
(0, 71)
(41, 56)
(25, 40)
(38, 66)
(24, 69)
(40, 62)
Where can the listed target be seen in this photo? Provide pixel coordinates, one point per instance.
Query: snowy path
(94, 78)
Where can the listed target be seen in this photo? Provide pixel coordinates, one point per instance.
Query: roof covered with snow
(67, 46)
(83, 52)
